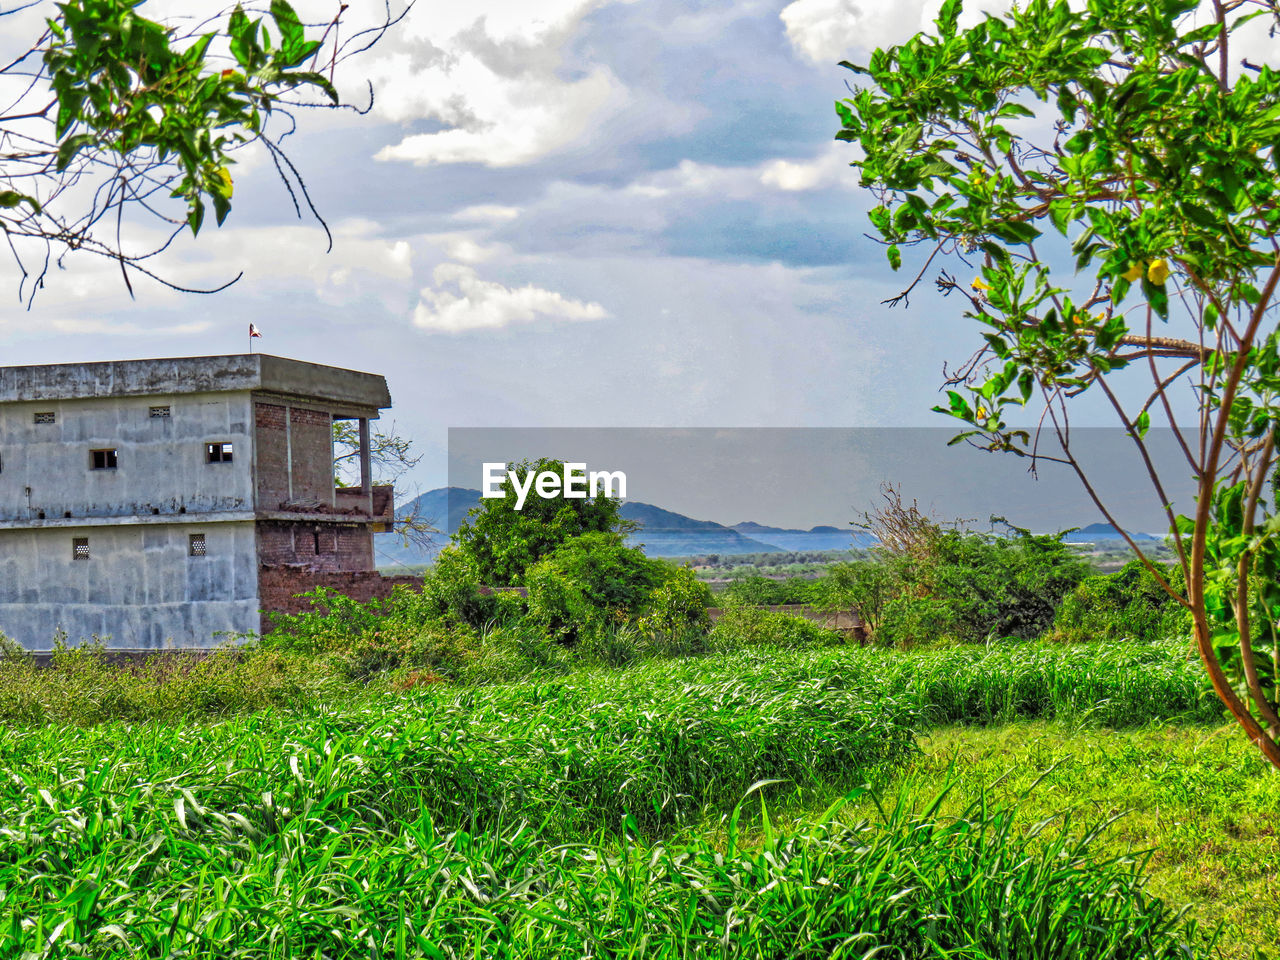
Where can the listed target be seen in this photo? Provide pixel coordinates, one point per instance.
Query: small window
(46, 417)
(160, 413)
(80, 548)
(218, 452)
(196, 543)
(102, 459)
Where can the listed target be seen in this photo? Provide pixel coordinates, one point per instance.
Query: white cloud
(493, 75)
(486, 213)
(275, 261)
(476, 304)
(469, 250)
(831, 168)
(827, 31)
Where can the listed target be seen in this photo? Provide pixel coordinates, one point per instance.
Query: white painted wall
(162, 461)
(139, 587)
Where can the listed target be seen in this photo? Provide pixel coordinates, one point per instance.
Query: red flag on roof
(253, 331)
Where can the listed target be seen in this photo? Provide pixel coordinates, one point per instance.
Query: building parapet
(182, 375)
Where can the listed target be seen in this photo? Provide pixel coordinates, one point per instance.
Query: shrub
(451, 592)
(973, 588)
(588, 584)
(1126, 605)
(677, 618)
(747, 626)
(767, 591)
(865, 585)
(332, 621)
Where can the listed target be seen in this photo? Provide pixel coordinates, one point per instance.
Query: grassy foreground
(1198, 798)
(601, 813)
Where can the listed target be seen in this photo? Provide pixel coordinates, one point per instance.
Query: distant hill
(1102, 531)
(662, 533)
(817, 538)
(665, 533)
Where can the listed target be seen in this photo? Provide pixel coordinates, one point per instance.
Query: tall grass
(83, 686)
(1114, 683)
(152, 873)
(536, 819)
(574, 753)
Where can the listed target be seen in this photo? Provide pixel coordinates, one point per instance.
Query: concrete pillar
(366, 463)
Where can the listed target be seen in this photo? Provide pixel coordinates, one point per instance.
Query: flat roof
(224, 374)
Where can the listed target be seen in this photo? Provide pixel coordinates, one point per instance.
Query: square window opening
(160, 413)
(103, 459)
(218, 452)
(80, 548)
(196, 544)
(46, 416)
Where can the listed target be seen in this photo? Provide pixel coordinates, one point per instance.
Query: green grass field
(760, 803)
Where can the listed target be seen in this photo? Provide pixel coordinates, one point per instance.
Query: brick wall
(278, 587)
(341, 547)
(272, 447)
(312, 439)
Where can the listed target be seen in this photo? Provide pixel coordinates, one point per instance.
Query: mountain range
(662, 533)
(1102, 531)
(665, 533)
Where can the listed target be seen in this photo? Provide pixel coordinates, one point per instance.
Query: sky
(558, 213)
(809, 476)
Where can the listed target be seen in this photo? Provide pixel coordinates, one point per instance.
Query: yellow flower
(1158, 272)
(978, 284)
(982, 413)
(1133, 273)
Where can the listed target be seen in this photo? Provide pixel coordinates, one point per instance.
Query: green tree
(503, 542)
(1134, 143)
(121, 112)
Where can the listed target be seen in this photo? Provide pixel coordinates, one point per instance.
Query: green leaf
(313, 79)
(1060, 213)
(11, 198)
(292, 36)
(1014, 110)
(1142, 424)
(1015, 232)
(244, 42)
(69, 147)
(895, 256)
(195, 216)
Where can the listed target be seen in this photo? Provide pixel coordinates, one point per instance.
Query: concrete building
(168, 502)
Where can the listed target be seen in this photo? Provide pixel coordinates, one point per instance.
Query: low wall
(279, 587)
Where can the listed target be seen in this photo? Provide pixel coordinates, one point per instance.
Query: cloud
(829, 169)
(827, 31)
(496, 80)
(486, 213)
(475, 304)
(279, 261)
